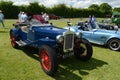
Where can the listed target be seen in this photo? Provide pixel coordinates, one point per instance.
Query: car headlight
(59, 38)
(79, 35)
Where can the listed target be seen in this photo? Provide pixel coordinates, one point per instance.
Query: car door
(87, 35)
(95, 36)
(31, 35)
(98, 37)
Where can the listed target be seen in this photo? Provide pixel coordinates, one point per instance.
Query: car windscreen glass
(35, 22)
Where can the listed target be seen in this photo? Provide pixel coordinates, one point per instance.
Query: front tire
(114, 44)
(48, 60)
(83, 49)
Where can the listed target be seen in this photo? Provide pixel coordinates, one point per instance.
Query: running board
(21, 43)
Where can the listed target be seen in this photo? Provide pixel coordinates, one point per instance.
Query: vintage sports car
(53, 43)
(109, 38)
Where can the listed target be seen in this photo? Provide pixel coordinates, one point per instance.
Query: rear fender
(110, 39)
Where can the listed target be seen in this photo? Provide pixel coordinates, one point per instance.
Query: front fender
(14, 31)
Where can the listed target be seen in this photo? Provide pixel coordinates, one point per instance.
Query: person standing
(89, 19)
(46, 17)
(90, 22)
(19, 16)
(23, 17)
(2, 18)
(94, 22)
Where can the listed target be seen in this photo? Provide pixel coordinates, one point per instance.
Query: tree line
(11, 11)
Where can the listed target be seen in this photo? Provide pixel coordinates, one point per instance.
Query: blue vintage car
(109, 38)
(53, 43)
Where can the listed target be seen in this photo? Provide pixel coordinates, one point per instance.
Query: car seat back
(39, 18)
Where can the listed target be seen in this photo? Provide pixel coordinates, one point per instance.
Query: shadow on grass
(30, 51)
(73, 69)
(69, 68)
(4, 31)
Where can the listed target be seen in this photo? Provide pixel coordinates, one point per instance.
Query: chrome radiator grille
(68, 41)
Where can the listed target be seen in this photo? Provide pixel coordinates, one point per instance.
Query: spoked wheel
(48, 60)
(13, 43)
(83, 49)
(114, 44)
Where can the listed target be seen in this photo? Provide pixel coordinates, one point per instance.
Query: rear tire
(48, 60)
(114, 44)
(83, 49)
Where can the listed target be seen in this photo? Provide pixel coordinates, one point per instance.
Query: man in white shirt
(23, 17)
(46, 17)
(19, 16)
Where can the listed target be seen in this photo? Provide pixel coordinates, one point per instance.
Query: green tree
(94, 7)
(61, 10)
(106, 9)
(35, 8)
(23, 8)
(117, 9)
(94, 10)
(9, 10)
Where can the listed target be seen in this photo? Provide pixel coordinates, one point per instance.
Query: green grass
(23, 64)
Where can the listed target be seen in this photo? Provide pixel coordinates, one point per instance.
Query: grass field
(23, 64)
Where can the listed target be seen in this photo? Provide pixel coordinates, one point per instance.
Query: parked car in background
(53, 16)
(109, 38)
(53, 43)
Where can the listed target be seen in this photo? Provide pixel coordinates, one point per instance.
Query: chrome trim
(68, 34)
(79, 35)
(59, 38)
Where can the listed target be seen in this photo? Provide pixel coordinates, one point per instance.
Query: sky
(73, 3)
